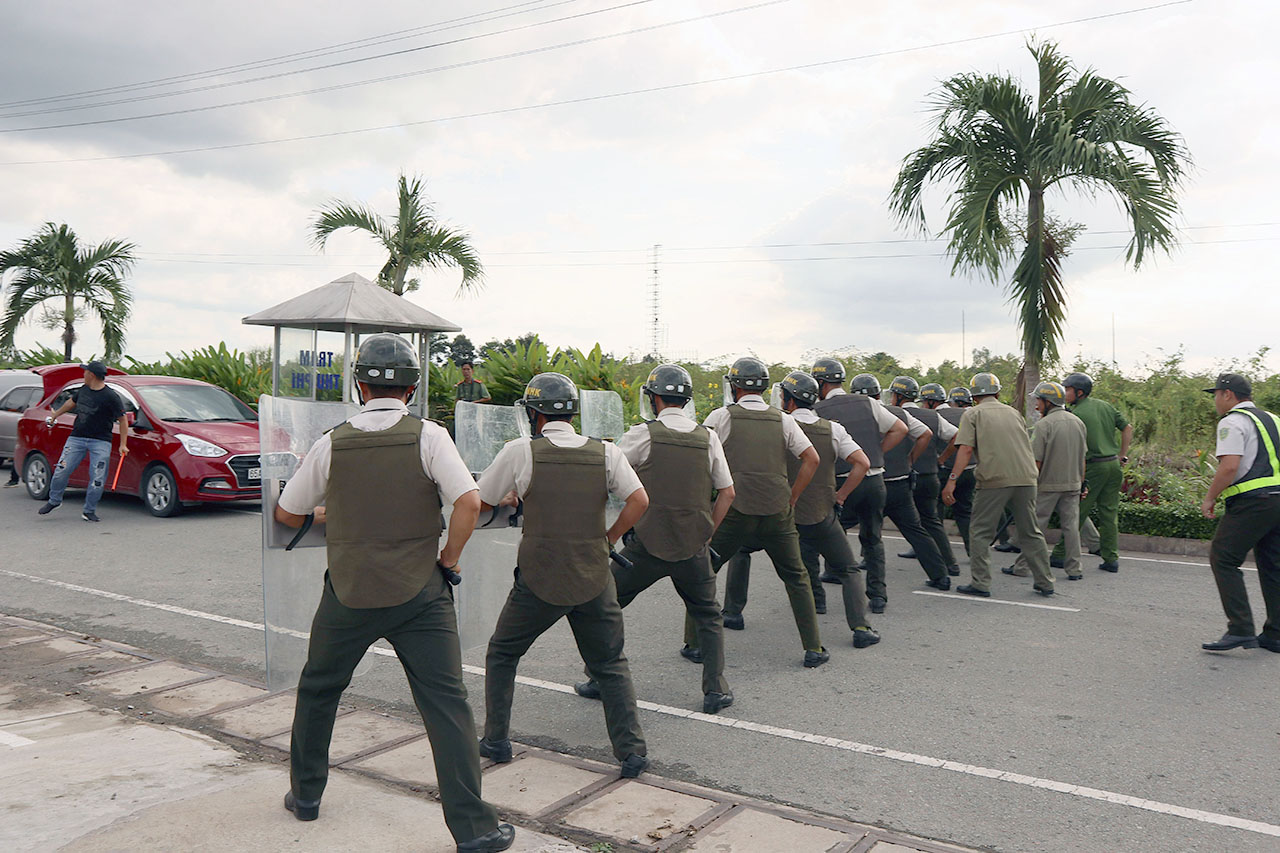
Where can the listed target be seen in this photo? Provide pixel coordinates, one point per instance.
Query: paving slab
(266, 717)
(750, 831)
(358, 732)
(643, 812)
(412, 762)
(43, 651)
(97, 662)
(532, 784)
(15, 636)
(153, 677)
(890, 847)
(61, 725)
(196, 699)
(19, 703)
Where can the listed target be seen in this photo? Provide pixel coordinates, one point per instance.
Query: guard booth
(317, 336)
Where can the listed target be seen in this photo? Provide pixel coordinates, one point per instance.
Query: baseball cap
(97, 368)
(1233, 382)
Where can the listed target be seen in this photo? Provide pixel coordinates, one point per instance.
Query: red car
(190, 442)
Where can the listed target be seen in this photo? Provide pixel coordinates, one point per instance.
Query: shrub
(246, 375)
(1178, 521)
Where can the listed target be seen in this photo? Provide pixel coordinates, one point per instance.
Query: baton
(711, 552)
(622, 561)
(119, 465)
(307, 521)
(449, 574)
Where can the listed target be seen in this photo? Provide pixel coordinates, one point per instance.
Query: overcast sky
(565, 202)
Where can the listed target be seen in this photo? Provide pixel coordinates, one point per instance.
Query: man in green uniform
(565, 480)
(1058, 443)
(1006, 474)
(1248, 480)
(1104, 457)
(470, 389)
(680, 465)
(381, 477)
(757, 440)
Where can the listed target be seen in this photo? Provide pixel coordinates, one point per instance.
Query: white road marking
(11, 740)
(1081, 791)
(982, 600)
(960, 544)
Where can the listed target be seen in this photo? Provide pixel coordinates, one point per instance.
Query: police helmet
(801, 387)
(865, 383)
(669, 380)
(387, 359)
(828, 370)
(551, 394)
(905, 387)
(960, 396)
(933, 392)
(1082, 382)
(1052, 392)
(748, 373)
(984, 385)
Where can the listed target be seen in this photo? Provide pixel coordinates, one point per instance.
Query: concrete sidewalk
(106, 748)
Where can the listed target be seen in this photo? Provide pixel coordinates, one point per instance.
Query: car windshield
(194, 403)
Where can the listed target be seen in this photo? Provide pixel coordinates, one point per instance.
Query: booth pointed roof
(351, 302)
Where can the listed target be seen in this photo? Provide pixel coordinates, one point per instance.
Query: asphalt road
(1104, 710)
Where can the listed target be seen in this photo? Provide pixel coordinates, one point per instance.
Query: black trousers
(424, 633)
(865, 508)
(900, 508)
(1250, 522)
(926, 495)
(828, 540)
(962, 509)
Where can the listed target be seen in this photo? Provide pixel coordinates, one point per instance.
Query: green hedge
(1174, 520)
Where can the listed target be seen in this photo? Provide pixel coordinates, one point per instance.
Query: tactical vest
(928, 461)
(1264, 473)
(953, 416)
(897, 462)
(564, 553)
(856, 414)
(383, 516)
(677, 477)
(819, 496)
(756, 452)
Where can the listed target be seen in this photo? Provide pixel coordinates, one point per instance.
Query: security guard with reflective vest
(680, 464)
(876, 431)
(958, 399)
(757, 441)
(565, 480)
(927, 492)
(1248, 481)
(381, 477)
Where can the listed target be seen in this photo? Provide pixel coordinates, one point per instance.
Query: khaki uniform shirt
(1058, 443)
(999, 434)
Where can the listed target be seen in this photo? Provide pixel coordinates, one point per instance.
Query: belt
(1103, 459)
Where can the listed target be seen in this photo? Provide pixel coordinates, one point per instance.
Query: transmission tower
(655, 309)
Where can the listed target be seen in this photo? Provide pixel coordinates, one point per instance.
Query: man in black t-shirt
(96, 407)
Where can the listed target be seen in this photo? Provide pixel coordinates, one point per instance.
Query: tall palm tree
(1002, 149)
(52, 266)
(413, 239)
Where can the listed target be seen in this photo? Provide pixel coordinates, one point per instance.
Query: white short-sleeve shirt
(1238, 436)
(635, 444)
(841, 441)
(885, 420)
(440, 460)
(512, 468)
(946, 429)
(719, 420)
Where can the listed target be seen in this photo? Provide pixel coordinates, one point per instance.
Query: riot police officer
(958, 399)
(565, 480)
(927, 491)
(381, 477)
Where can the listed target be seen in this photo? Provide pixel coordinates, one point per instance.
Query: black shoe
(1007, 548)
(1097, 553)
(688, 652)
(302, 809)
(90, 516)
(47, 508)
(863, 637)
(1075, 577)
(734, 621)
(1011, 570)
(1044, 590)
(1057, 563)
(587, 689)
(633, 765)
(1111, 566)
(908, 555)
(828, 577)
(942, 583)
(715, 702)
(877, 605)
(1231, 641)
(491, 842)
(497, 751)
(1269, 644)
(953, 571)
(812, 659)
(969, 589)
(820, 609)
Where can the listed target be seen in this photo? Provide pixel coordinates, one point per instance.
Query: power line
(588, 98)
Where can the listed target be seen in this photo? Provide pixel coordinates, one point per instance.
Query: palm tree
(412, 240)
(1003, 149)
(52, 265)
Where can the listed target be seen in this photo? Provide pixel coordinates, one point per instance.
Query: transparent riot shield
(775, 396)
(602, 415)
(480, 430)
(292, 580)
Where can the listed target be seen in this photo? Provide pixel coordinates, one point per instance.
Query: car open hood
(236, 437)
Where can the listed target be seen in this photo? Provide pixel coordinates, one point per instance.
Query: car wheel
(38, 476)
(160, 492)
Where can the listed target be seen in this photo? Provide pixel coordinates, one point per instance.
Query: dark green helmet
(933, 392)
(387, 359)
(800, 387)
(865, 383)
(748, 373)
(828, 370)
(960, 397)
(669, 380)
(1052, 392)
(984, 385)
(1082, 382)
(906, 387)
(551, 394)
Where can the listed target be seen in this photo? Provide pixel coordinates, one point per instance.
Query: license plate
(255, 474)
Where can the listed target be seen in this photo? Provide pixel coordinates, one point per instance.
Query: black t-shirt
(96, 411)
